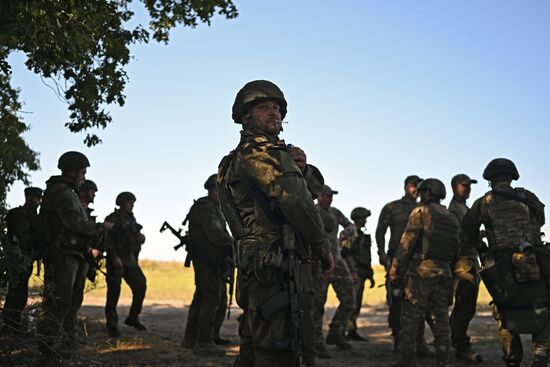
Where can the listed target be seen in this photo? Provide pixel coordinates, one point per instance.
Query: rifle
(184, 239)
(95, 263)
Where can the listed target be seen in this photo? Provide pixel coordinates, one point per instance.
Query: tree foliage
(83, 46)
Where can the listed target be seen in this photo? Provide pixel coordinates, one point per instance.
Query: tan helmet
(255, 92)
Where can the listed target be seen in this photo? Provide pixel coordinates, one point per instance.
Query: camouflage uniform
(124, 244)
(20, 254)
(428, 279)
(210, 247)
(358, 257)
(466, 287)
(522, 222)
(262, 162)
(340, 280)
(395, 216)
(65, 224)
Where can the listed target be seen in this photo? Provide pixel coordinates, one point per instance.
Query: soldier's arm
(471, 224)
(112, 237)
(381, 229)
(412, 231)
(215, 229)
(19, 225)
(276, 174)
(69, 211)
(345, 222)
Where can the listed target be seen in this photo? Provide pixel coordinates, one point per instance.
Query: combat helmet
(72, 161)
(435, 186)
(211, 182)
(87, 185)
(360, 212)
(254, 92)
(500, 166)
(123, 197)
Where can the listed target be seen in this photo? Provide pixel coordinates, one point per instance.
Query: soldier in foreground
(358, 256)
(341, 280)
(64, 225)
(20, 255)
(125, 242)
(516, 264)
(211, 250)
(263, 188)
(466, 273)
(395, 216)
(429, 245)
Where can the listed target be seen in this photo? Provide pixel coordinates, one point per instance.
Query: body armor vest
(510, 224)
(441, 241)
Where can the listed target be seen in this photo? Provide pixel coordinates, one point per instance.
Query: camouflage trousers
(464, 310)
(342, 283)
(203, 319)
(260, 337)
(424, 295)
(511, 343)
(134, 277)
(364, 274)
(18, 294)
(64, 280)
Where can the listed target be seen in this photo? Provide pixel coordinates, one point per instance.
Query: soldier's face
(410, 191)
(128, 206)
(462, 190)
(265, 116)
(325, 200)
(81, 176)
(361, 222)
(34, 201)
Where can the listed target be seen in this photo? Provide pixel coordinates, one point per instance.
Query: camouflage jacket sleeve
(19, 225)
(471, 224)
(214, 227)
(382, 227)
(73, 217)
(343, 220)
(271, 168)
(415, 225)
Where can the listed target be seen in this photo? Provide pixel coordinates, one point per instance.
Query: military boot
(187, 343)
(539, 361)
(354, 336)
(322, 351)
(208, 350)
(113, 331)
(467, 354)
(338, 340)
(134, 322)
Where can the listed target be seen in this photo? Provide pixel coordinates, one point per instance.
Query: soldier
(265, 190)
(63, 226)
(515, 264)
(20, 255)
(211, 250)
(395, 215)
(358, 256)
(341, 280)
(466, 274)
(429, 245)
(86, 194)
(125, 242)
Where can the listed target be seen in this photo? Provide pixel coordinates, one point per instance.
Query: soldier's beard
(271, 127)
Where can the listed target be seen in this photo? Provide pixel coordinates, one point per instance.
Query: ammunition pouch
(526, 268)
(523, 307)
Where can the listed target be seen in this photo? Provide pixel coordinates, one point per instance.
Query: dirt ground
(159, 345)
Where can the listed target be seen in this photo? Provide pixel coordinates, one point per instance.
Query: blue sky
(377, 90)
